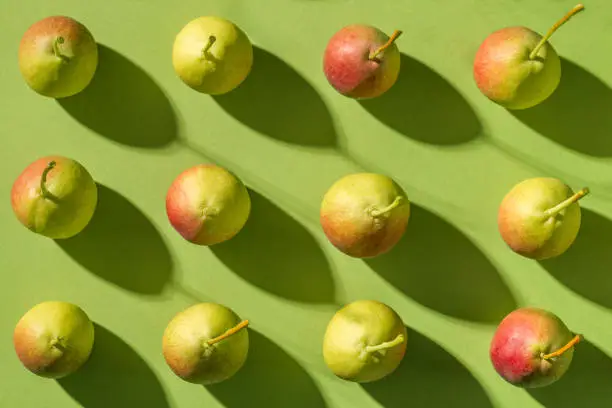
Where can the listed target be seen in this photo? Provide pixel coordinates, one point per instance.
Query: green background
(289, 136)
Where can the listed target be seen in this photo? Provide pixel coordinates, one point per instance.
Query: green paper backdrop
(288, 135)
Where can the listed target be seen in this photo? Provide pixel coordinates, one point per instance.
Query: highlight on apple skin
(364, 215)
(207, 204)
(365, 341)
(207, 343)
(539, 218)
(361, 61)
(54, 339)
(54, 196)
(212, 55)
(58, 57)
(518, 68)
(532, 348)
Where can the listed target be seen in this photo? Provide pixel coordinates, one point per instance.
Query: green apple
(517, 68)
(58, 57)
(54, 339)
(364, 341)
(206, 344)
(539, 218)
(212, 55)
(54, 196)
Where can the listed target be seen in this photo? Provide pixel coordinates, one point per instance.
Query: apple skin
(75, 192)
(504, 73)
(349, 70)
(46, 73)
(228, 61)
(206, 204)
(49, 322)
(519, 342)
(357, 325)
(346, 214)
(191, 358)
(520, 223)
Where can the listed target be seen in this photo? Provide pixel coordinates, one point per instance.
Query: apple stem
(211, 41)
(43, 181)
(380, 49)
(57, 344)
(386, 345)
(554, 28)
(229, 333)
(58, 41)
(563, 205)
(395, 203)
(563, 349)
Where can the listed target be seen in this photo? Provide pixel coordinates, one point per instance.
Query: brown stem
(563, 349)
(229, 333)
(211, 41)
(554, 28)
(393, 37)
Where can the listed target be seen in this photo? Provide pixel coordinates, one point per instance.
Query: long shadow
(438, 266)
(121, 246)
(124, 104)
(276, 253)
(269, 378)
(114, 376)
(585, 267)
(578, 115)
(585, 384)
(428, 376)
(424, 106)
(276, 101)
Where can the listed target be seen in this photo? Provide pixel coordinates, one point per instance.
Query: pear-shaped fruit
(54, 196)
(206, 343)
(361, 61)
(364, 214)
(364, 341)
(532, 348)
(58, 57)
(517, 68)
(540, 217)
(207, 204)
(212, 55)
(54, 339)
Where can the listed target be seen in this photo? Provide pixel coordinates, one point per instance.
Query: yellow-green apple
(54, 196)
(207, 204)
(212, 55)
(361, 61)
(364, 341)
(540, 217)
(58, 57)
(54, 339)
(206, 343)
(517, 68)
(532, 348)
(364, 214)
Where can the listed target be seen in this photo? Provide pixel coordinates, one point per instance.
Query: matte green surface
(289, 136)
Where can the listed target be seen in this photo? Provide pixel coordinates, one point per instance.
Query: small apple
(540, 217)
(532, 348)
(54, 339)
(361, 61)
(364, 214)
(206, 204)
(58, 57)
(206, 344)
(55, 197)
(517, 68)
(364, 341)
(212, 55)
